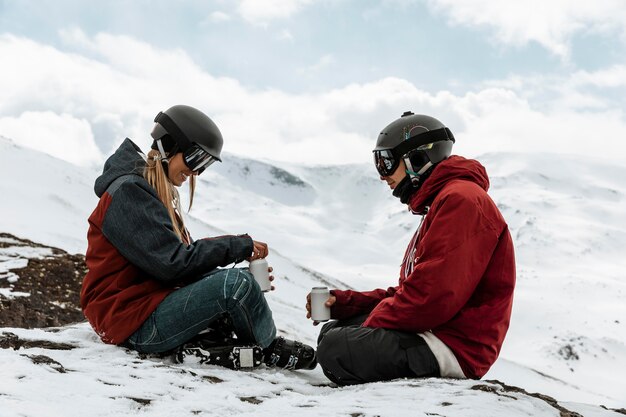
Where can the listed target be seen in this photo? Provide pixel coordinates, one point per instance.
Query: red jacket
(458, 273)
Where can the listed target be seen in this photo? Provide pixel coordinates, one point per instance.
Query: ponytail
(154, 173)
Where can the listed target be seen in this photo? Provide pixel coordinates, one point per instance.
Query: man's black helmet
(186, 129)
(422, 141)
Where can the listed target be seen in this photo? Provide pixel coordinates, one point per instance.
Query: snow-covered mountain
(341, 224)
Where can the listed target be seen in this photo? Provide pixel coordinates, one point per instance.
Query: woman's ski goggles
(387, 160)
(197, 158)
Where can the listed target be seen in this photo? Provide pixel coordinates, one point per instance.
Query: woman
(150, 287)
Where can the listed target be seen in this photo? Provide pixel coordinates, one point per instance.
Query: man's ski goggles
(197, 158)
(386, 163)
(387, 160)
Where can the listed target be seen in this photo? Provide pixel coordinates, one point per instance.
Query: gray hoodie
(134, 257)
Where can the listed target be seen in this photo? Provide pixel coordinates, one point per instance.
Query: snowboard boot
(232, 355)
(217, 345)
(289, 354)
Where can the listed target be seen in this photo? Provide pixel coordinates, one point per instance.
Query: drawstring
(413, 244)
(419, 227)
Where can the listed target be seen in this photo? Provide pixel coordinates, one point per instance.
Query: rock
(53, 282)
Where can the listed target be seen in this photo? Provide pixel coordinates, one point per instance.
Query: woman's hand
(331, 300)
(259, 251)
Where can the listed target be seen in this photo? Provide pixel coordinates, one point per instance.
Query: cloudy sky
(314, 81)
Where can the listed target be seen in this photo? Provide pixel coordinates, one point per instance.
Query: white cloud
(60, 135)
(322, 63)
(498, 120)
(116, 86)
(551, 23)
(218, 16)
(285, 35)
(614, 76)
(262, 11)
(599, 90)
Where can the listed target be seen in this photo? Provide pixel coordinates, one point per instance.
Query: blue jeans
(191, 309)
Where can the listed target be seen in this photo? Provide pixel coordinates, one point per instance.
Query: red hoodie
(458, 273)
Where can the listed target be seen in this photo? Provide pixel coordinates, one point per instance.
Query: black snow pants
(350, 354)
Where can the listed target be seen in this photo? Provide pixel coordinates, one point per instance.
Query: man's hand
(331, 300)
(259, 251)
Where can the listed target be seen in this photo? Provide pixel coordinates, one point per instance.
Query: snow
(103, 380)
(8, 240)
(24, 252)
(8, 293)
(44, 199)
(10, 277)
(340, 225)
(8, 262)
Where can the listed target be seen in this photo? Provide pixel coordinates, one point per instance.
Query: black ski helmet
(186, 129)
(421, 141)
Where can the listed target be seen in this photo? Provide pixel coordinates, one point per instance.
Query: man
(450, 311)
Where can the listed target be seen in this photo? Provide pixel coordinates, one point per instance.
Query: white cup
(259, 269)
(319, 310)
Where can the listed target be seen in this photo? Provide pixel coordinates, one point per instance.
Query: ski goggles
(387, 160)
(197, 158)
(386, 163)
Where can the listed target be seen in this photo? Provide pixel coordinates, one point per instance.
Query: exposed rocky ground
(51, 276)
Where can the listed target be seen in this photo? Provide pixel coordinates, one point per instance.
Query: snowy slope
(94, 379)
(567, 334)
(44, 198)
(569, 319)
(68, 372)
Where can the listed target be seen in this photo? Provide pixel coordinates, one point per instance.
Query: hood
(127, 159)
(453, 168)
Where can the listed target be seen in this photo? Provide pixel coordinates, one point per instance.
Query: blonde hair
(154, 173)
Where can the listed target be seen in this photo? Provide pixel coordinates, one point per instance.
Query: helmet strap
(164, 158)
(161, 150)
(413, 175)
(425, 168)
(165, 161)
(416, 141)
